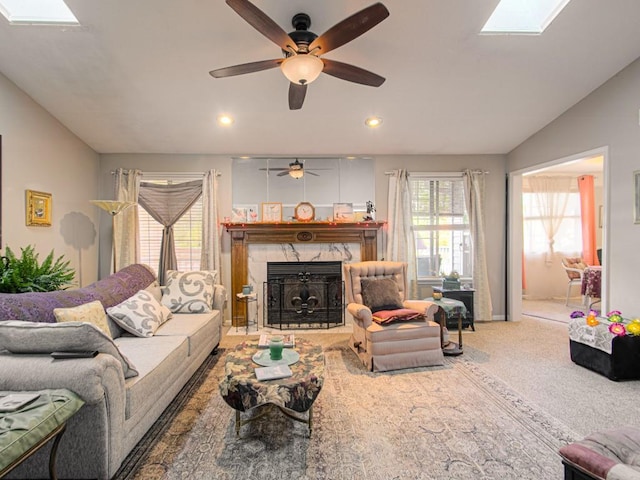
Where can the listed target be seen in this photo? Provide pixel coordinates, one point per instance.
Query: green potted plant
(26, 274)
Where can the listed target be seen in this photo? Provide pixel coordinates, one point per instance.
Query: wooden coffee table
(294, 395)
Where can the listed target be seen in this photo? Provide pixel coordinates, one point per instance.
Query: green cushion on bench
(23, 429)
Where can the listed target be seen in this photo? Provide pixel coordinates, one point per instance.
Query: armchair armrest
(361, 313)
(579, 271)
(425, 306)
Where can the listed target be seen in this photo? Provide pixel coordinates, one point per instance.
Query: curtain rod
(440, 174)
(173, 174)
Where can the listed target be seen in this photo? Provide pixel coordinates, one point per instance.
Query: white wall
(606, 118)
(39, 153)
(495, 193)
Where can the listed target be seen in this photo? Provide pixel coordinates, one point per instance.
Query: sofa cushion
(198, 327)
(34, 337)
(189, 292)
(159, 359)
(381, 294)
(140, 315)
(155, 290)
(92, 312)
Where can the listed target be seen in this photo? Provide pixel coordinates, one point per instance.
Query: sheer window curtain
(552, 195)
(126, 233)
(166, 204)
(474, 198)
(401, 243)
(211, 233)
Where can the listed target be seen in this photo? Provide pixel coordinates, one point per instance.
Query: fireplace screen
(304, 295)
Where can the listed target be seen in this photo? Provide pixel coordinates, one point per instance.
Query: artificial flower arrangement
(617, 324)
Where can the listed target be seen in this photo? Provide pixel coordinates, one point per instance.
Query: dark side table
(466, 297)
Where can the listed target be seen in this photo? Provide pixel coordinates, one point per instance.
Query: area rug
(449, 422)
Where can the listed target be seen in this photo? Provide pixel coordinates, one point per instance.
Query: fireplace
(253, 245)
(303, 295)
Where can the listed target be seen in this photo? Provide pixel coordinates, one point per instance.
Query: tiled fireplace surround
(253, 245)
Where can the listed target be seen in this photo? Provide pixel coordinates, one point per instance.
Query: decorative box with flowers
(608, 345)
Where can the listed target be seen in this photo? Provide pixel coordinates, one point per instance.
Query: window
(37, 11)
(440, 225)
(567, 240)
(523, 16)
(187, 233)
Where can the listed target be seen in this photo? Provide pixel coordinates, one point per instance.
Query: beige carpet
(452, 422)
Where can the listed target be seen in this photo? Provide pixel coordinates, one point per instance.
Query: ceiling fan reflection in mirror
(296, 170)
(302, 48)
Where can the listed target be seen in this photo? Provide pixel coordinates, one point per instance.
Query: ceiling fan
(295, 170)
(302, 48)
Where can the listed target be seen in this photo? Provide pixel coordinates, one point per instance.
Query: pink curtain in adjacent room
(588, 214)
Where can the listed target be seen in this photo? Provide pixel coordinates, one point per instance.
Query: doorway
(543, 303)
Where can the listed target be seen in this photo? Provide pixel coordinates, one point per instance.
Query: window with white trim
(440, 225)
(187, 232)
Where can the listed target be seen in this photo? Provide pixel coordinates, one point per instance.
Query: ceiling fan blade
(261, 22)
(282, 174)
(296, 95)
(350, 28)
(246, 68)
(351, 73)
(309, 172)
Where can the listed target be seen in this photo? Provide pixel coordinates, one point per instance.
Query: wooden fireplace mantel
(243, 234)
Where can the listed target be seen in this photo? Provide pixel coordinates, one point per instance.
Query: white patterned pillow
(92, 312)
(189, 292)
(140, 314)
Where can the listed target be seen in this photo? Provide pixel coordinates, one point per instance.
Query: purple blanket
(38, 307)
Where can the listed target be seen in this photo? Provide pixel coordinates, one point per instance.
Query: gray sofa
(118, 411)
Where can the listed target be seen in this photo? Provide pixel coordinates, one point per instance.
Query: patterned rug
(450, 422)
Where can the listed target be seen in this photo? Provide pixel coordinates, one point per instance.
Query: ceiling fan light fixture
(302, 68)
(297, 174)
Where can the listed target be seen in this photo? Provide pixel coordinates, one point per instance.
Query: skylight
(37, 11)
(525, 17)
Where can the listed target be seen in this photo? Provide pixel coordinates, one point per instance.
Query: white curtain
(126, 230)
(552, 195)
(474, 199)
(401, 243)
(211, 256)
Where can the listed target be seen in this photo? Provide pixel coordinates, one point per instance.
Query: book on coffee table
(272, 373)
(289, 340)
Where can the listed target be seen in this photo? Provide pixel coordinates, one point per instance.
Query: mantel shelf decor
(242, 235)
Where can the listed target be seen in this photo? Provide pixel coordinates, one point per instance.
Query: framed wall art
(38, 209)
(271, 212)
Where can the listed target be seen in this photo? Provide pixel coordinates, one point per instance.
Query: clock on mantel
(304, 212)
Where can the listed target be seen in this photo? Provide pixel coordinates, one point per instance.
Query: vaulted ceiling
(134, 77)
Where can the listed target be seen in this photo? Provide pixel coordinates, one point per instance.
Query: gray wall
(495, 194)
(606, 118)
(39, 153)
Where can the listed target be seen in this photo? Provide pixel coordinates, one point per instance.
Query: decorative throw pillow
(92, 312)
(189, 292)
(140, 315)
(381, 294)
(385, 317)
(18, 336)
(155, 290)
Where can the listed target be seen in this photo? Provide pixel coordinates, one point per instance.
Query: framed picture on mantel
(272, 212)
(343, 212)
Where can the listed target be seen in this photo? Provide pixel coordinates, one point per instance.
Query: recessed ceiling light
(225, 120)
(37, 11)
(373, 122)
